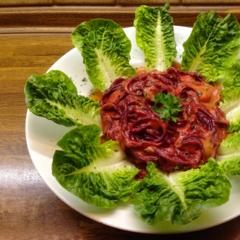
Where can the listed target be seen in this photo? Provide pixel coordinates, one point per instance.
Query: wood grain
(207, 2)
(24, 2)
(111, 2)
(69, 16)
(31, 40)
(146, 2)
(54, 2)
(84, 2)
(28, 209)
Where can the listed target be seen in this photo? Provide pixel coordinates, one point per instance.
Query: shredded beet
(128, 117)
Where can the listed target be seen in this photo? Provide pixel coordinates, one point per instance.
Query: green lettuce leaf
(95, 172)
(230, 145)
(229, 154)
(230, 103)
(230, 163)
(155, 36)
(212, 45)
(181, 197)
(234, 119)
(232, 76)
(105, 49)
(54, 96)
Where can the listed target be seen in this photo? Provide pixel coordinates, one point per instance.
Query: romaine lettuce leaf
(233, 117)
(212, 45)
(105, 49)
(230, 103)
(231, 88)
(155, 36)
(229, 154)
(181, 197)
(230, 98)
(230, 163)
(95, 172)
(230, 145)
(54, 96)
(232, 75)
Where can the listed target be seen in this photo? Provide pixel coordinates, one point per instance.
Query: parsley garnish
(167, 105)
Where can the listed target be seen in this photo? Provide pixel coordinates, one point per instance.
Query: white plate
(42, 135)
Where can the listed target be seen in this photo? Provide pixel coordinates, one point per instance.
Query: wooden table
(28, 209)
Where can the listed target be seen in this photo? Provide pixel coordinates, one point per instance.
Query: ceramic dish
(42, 136)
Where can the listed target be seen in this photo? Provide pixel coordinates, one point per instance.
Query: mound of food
(129, 115)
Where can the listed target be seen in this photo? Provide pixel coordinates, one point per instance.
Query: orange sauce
(96, 95)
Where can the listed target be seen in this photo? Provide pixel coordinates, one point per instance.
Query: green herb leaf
(167, 105)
